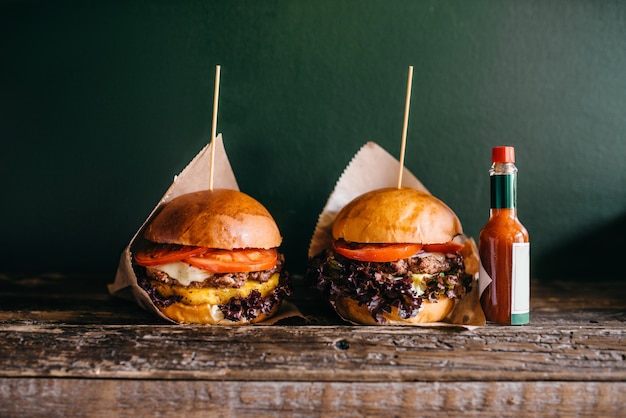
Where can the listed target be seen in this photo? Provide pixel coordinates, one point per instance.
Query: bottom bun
(207, 314)
(350, 310)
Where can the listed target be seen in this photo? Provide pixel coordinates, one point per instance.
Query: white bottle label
(520, 286)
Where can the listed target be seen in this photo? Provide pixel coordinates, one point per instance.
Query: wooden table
(70, 349)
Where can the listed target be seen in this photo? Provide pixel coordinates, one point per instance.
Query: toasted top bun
(218, 218)
(396, 215)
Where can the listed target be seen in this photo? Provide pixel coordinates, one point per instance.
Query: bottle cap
(503, 155)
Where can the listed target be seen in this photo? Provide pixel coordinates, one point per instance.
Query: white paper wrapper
(193, 178)
(373, 168)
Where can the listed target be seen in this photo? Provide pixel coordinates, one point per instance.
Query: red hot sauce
(504, 248)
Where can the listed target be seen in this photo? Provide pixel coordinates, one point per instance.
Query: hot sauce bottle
(504, 248)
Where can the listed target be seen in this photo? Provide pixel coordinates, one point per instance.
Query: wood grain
(69, 349)
(314, 353)
(135, 398)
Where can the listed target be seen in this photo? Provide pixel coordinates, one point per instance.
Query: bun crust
(218, 218)
(396, 215)
(350, 310)
(206, 314)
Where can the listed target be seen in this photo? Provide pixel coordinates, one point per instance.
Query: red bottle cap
(503, 155)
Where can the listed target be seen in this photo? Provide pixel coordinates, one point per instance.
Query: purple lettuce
(380, 286)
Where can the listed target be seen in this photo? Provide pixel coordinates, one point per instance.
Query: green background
(102, 103)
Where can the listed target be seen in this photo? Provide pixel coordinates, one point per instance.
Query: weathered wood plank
(315, 353)
(34, 397)
(67, 348)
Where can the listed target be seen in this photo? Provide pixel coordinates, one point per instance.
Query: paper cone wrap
(194, 177)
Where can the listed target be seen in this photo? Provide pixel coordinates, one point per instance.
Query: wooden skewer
(406, 124)
(214, 123)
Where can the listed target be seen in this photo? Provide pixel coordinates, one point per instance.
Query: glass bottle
(504, 248)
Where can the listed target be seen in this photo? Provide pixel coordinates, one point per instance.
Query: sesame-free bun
(350, 310)
(218, 218)
(207, 314)
(396, 215)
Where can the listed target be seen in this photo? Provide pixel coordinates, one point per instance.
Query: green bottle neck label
(503, 191)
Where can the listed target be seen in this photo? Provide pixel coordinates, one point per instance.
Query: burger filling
(404, 284)
(238, 296)
(182, 274)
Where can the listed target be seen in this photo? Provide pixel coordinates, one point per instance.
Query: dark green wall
(101, 103)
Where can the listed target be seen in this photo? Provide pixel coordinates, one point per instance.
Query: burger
(211, 257)
(396, 258)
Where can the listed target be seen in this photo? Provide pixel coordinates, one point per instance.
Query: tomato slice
(447, 247)
(166, 253)
(378, 253)
(235, 261)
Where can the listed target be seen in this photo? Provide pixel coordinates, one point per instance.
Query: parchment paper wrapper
(374, 168)
(193, 178)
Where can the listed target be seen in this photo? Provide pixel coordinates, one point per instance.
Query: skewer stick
(406, 124)
(216, 95)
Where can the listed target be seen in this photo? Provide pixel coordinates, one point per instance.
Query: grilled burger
(395, 258)
(210, 257)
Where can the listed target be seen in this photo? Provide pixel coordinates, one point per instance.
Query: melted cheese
(184, 273)
(214, 296)
(419, 283)
(419, 280)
